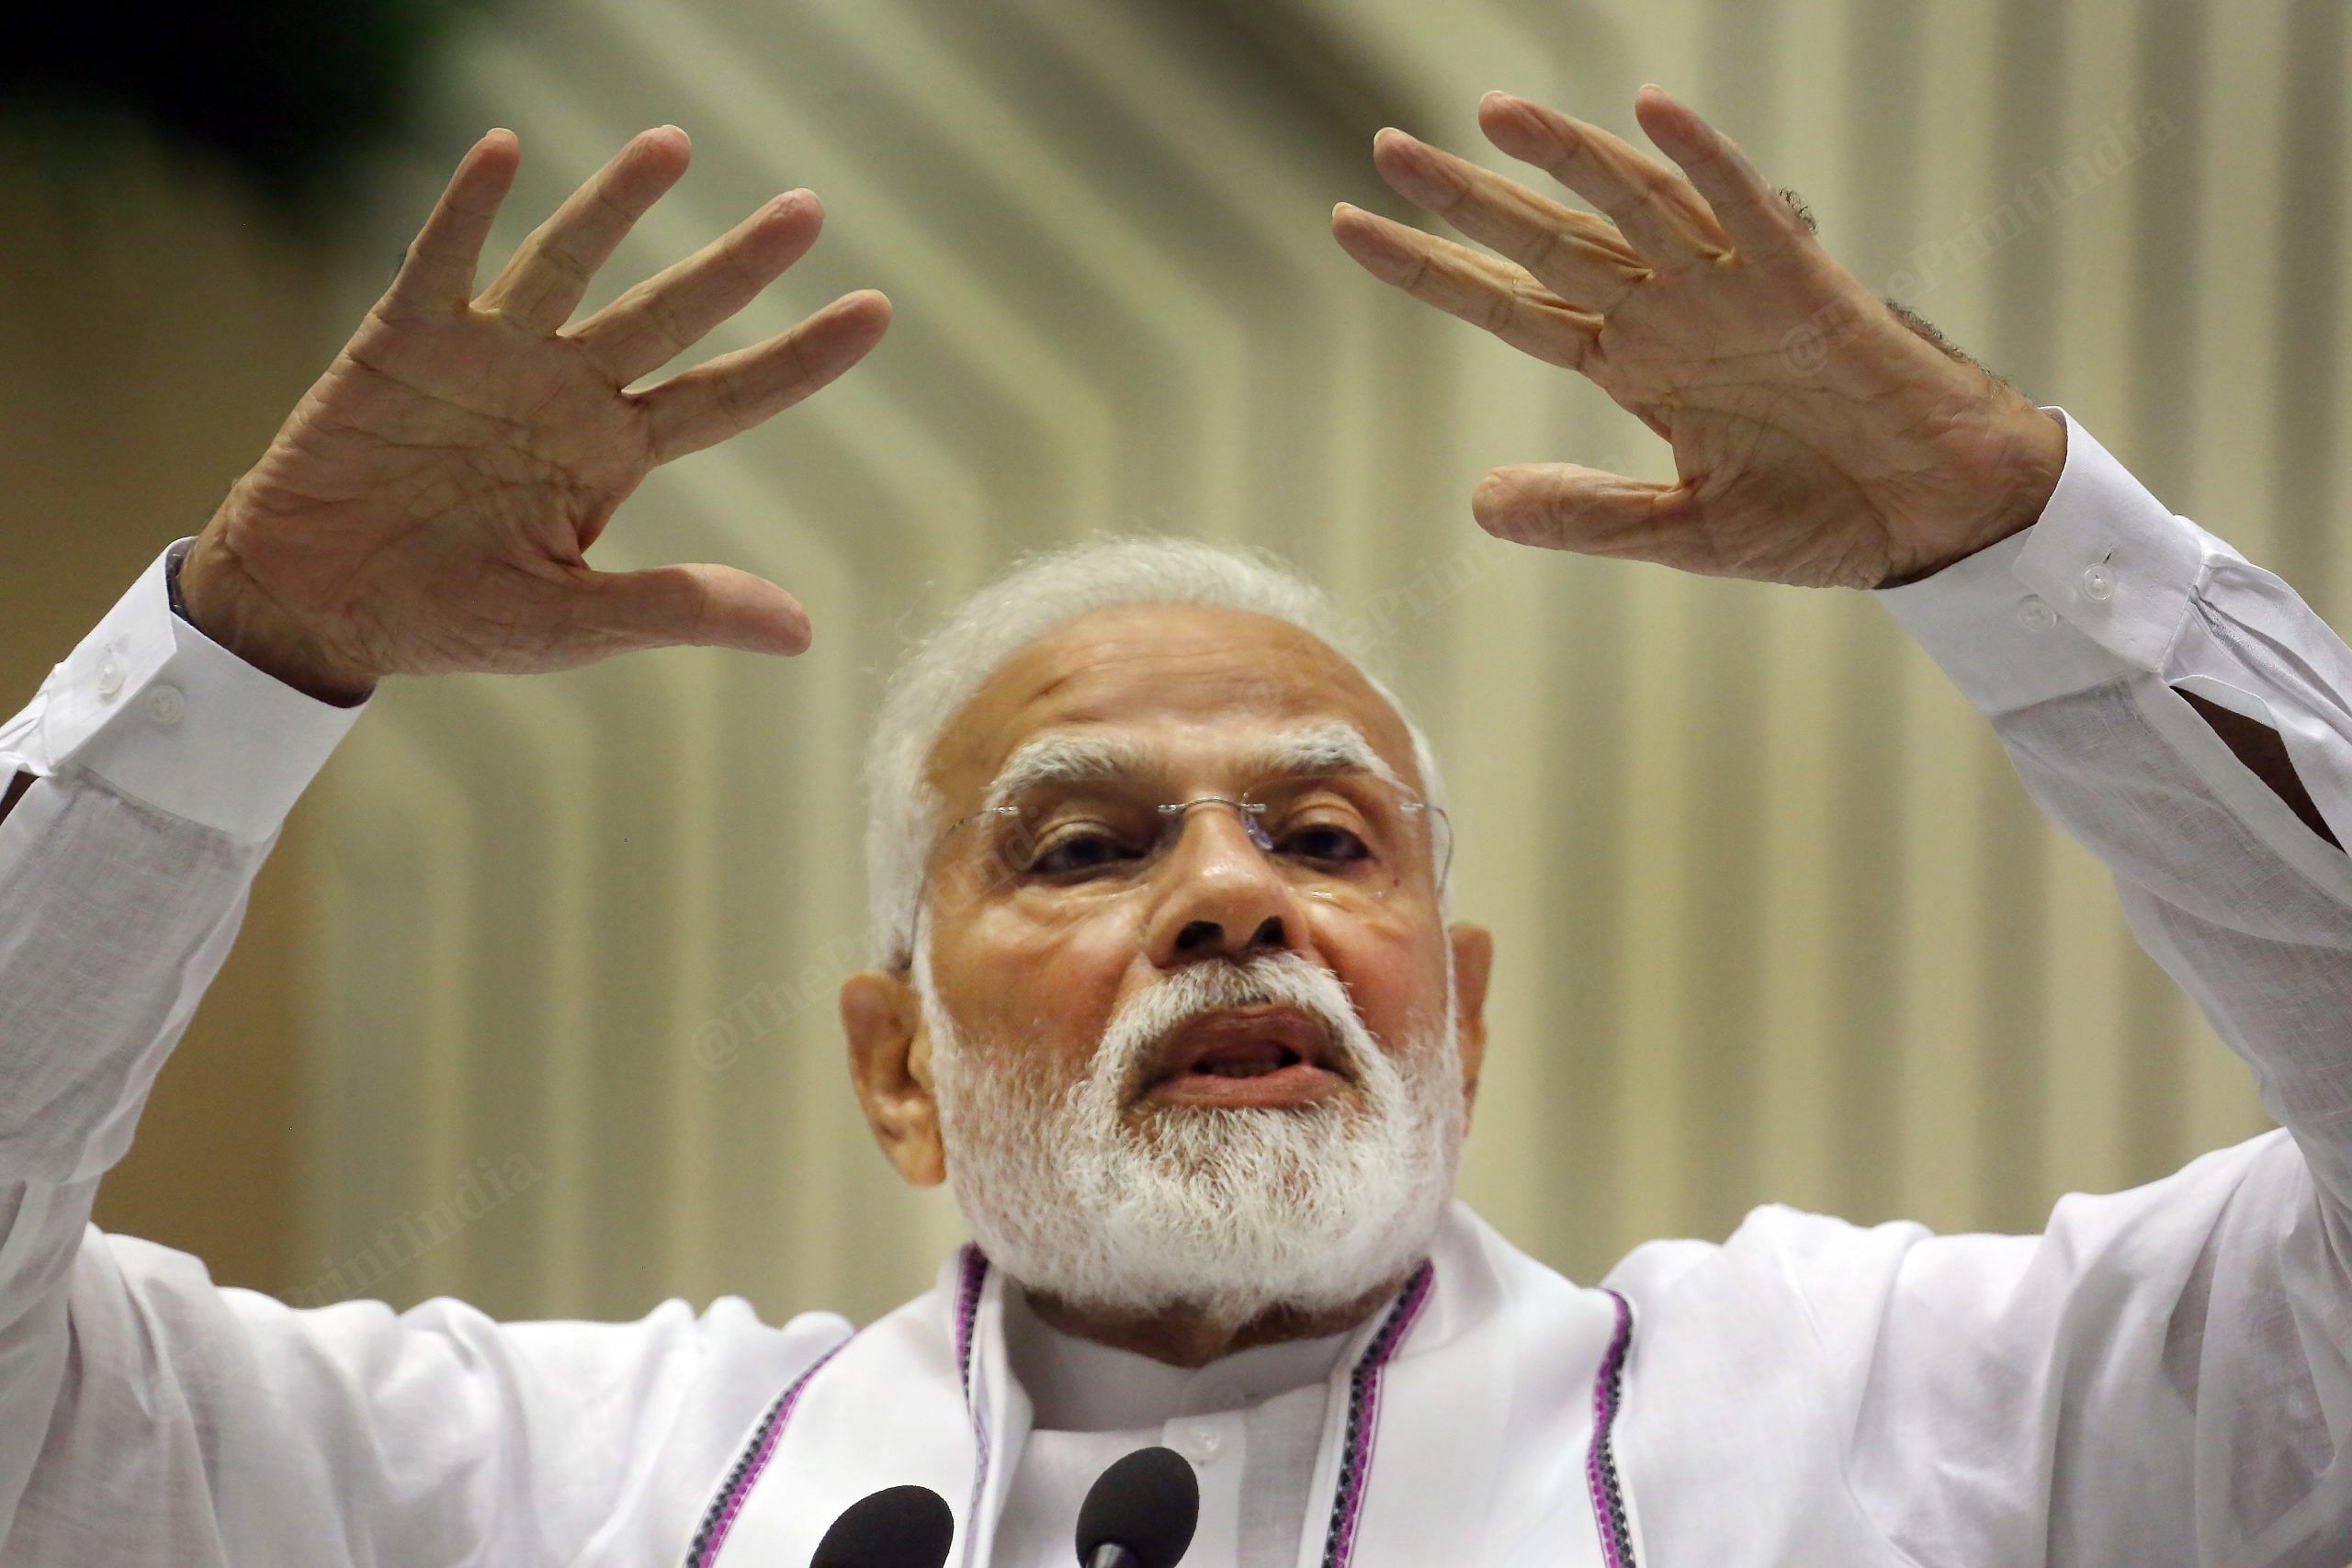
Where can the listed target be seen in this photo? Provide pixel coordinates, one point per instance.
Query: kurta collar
(1077, 1385)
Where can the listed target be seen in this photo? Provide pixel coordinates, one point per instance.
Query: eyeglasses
(1062, 847)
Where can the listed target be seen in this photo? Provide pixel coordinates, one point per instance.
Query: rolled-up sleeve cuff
(166, 715)
(2098, 587)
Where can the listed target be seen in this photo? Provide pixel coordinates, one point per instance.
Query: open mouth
(1253, 1059)
(1254, 1055)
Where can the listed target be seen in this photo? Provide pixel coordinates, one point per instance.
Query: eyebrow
(1322, 749)
(1065, 759)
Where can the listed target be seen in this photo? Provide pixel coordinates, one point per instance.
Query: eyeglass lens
(1356, 837)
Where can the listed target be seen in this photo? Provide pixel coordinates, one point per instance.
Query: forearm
(113, 916)
(144, 784)
(143, 787)
(2187, 718)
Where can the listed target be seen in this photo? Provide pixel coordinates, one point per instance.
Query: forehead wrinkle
(1090, 673)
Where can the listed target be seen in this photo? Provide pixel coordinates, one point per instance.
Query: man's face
(1175, 1018)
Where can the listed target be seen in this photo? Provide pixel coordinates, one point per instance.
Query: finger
(697, 606)
(1755, 215)
(669, 313)
(1562, 506)
(728, 395)
(437, 277)
(1496, 295)
(1654, 206)
(1576, 254)
(543, 281)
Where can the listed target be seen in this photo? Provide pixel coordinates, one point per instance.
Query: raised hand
(1818, 439)
(427, 504)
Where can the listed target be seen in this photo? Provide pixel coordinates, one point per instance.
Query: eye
(1330, 842)
(1074, 851)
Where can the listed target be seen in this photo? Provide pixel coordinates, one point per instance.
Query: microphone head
(1148, 1503)
(900, 1527)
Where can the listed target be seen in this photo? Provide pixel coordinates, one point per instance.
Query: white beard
(1225, 1211)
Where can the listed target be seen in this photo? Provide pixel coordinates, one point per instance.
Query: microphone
(1140, 1513)
(899, 1527)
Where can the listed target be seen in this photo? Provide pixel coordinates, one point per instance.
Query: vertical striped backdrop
(1775, 920)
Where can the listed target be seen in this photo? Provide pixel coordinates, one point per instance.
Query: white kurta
(1251, 1424)
(2165, 1376)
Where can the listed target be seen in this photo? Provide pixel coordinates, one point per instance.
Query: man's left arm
(2165, 1368)
(1825, 437)
(2183, 713)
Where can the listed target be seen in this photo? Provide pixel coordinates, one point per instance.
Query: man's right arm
(427, 507)
(147, 781)
(148, 1417)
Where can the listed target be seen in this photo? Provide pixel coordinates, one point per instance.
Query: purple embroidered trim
(968, 1313)
(720, 1518)
(1600, 1464)
(1363, 1417)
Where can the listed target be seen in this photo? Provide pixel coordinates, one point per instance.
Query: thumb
(699, 605)
(1561, 506)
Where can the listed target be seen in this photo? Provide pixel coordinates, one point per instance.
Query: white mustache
(1133, 1039)
(1240, 1211)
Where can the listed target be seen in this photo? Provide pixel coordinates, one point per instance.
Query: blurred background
(536, 1001)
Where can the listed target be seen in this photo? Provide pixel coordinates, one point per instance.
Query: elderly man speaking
(1167, 990)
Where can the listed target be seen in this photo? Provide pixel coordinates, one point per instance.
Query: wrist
(2034, 477)
(2029, 456)
(220, 598)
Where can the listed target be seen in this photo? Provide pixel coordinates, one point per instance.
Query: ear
(889, 1066)
(1474, 962)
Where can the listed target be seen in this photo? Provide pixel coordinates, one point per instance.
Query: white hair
(1039, 596)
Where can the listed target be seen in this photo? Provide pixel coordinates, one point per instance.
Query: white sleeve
(149, 1419)
(147, 780)
(2077, 637)
(2168, 1369)
(160, 767)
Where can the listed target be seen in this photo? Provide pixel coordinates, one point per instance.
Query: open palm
(427, 505)
(1817, 438)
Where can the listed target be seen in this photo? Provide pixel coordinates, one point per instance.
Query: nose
(1221, 897)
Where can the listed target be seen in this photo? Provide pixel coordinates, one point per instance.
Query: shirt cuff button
(110, 673)
(2034, 612)
(2099, 582)
(165, 706)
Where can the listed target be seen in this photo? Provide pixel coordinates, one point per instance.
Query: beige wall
(1775, 920)
(154, 330)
